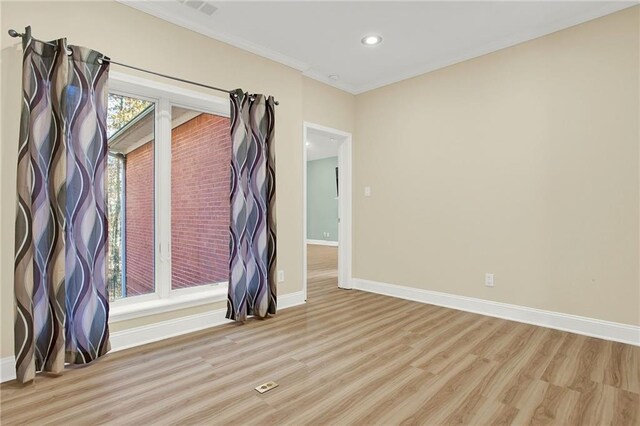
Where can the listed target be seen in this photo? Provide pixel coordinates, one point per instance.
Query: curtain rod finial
(13, 33)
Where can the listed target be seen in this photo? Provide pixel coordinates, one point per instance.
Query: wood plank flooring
(347, 357)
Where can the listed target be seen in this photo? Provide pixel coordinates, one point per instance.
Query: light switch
(367, 191)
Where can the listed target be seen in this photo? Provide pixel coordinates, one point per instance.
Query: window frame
(165, 96)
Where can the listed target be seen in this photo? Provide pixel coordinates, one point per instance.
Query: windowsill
(124, 312)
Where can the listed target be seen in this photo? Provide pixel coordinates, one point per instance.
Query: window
(167, 197)
(130, 194)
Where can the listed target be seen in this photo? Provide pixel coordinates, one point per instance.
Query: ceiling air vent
(200, 5)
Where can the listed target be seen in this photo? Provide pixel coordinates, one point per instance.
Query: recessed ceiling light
(333, 140)
(371, 40)
(307, 143)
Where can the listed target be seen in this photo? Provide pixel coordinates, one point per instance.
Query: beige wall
(522, 163)
(328, 106)
(129, 36)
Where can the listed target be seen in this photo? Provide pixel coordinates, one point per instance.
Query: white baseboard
(323, 243)
(7, 368)
(617, 332)
(131, 337)
(291, 299)
(137, 336)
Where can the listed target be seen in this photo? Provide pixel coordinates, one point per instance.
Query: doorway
(327, 206)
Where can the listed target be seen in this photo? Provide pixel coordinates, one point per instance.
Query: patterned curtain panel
(61, 228)
(252, 261)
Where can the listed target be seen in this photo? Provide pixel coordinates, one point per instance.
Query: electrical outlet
(280, 276)
(488, 280)
(266, 387)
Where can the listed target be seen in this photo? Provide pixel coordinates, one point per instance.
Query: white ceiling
(322, 38)
(320, 144)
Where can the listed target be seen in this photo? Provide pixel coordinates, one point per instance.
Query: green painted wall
(322, 204)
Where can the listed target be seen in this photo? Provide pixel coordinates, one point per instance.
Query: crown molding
(156, 9)
(322, 78)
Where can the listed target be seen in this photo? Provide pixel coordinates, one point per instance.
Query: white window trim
(165, 299)
(127, 311)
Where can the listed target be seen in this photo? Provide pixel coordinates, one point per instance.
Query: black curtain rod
(13, 33)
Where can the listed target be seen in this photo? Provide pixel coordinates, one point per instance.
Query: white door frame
(344, 205)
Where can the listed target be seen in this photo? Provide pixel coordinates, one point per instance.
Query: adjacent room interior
(327, 171)
(231, 213)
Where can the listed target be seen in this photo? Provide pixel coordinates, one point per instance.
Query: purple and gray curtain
(252, 261)
(61, 227)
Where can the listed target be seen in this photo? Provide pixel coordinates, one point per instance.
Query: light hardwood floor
(347, 357)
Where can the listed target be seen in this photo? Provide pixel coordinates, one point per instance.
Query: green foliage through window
(121, 110)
